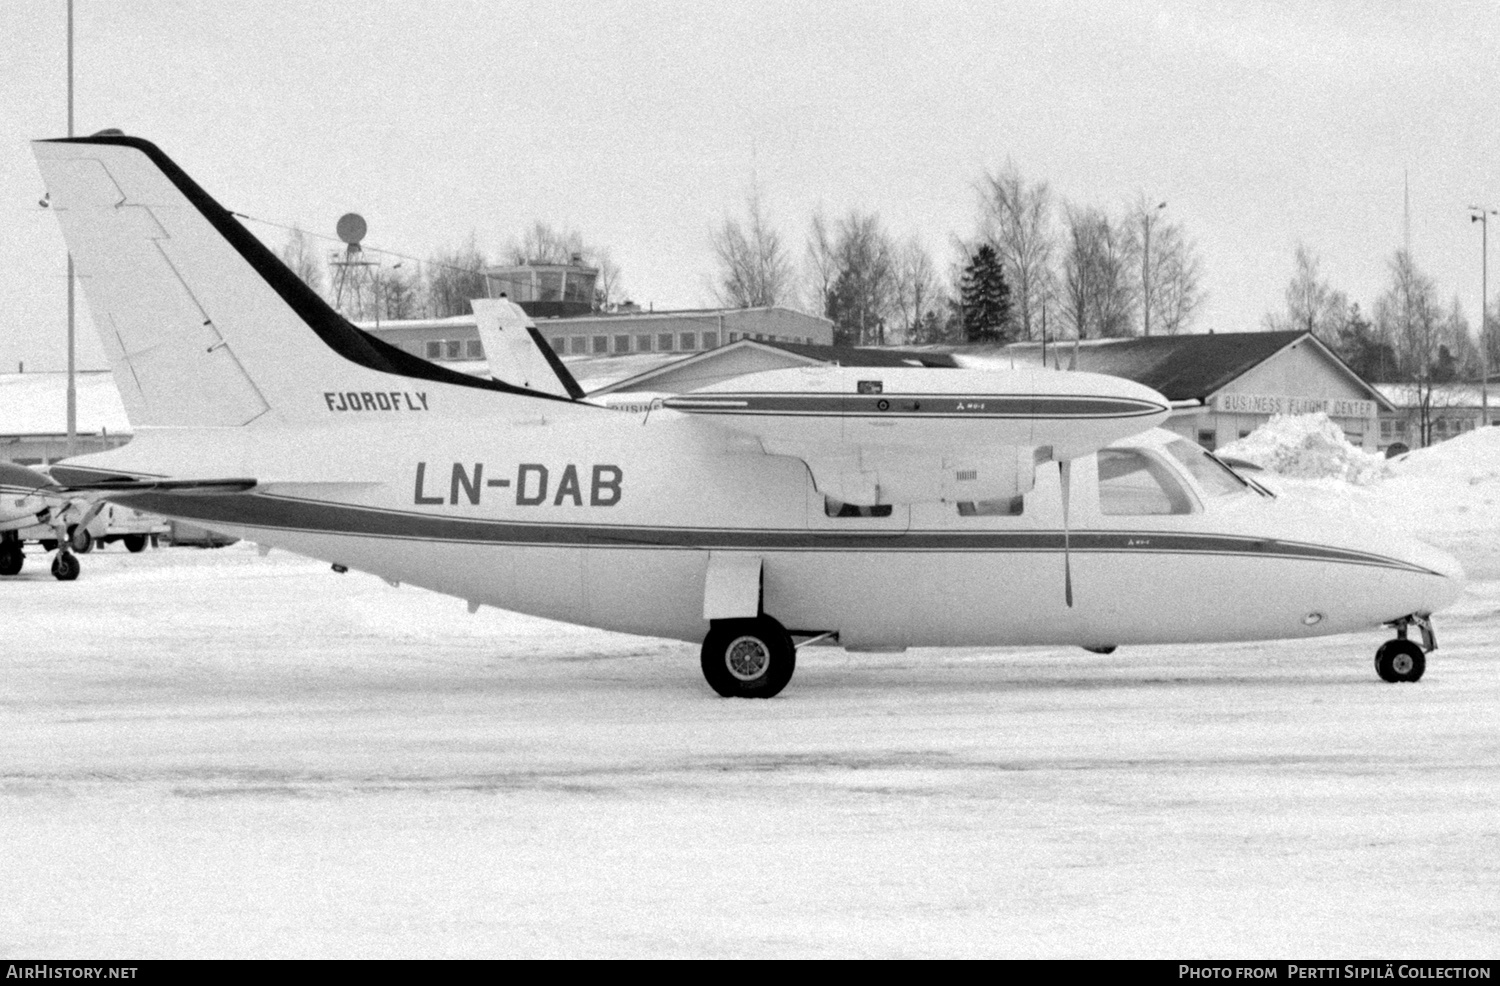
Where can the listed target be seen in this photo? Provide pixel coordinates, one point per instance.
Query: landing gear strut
(748, 658)
(1402, 659)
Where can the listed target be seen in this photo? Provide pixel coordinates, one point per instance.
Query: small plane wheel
(135, 543)
(748, 658)
(80, 540)
(65, 567)
(1400, 660)
(11, 559)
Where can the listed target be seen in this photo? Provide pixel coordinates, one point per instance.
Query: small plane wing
(911, 435)
(69, 481)
(516, 351)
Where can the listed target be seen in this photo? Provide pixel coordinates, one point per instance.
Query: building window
(434, 349)
(476, 349)
(710, 340)
(622, 344)
(601, 345)
(664, 342)
(689, 340)
(643, 344)
(453, 348)
(578, 345)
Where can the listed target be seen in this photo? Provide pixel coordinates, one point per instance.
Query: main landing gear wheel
(65, 567)
(135, 543)
(11, 558)
(748, 658)
(80, 540)
(1400, 660)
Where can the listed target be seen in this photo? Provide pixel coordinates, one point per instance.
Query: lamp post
(72, 446)
(1147, 220)
(1481, 215)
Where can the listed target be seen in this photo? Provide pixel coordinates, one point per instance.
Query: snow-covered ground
(208, 753)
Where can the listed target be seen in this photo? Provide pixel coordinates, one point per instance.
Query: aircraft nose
(1437, 578)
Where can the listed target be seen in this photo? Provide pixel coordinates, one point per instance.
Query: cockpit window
(1216, 478)
(1134, 483)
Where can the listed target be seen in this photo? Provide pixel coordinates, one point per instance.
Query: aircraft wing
(909, 434)
(64, 481)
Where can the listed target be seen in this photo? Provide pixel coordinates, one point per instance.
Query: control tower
(546, 290)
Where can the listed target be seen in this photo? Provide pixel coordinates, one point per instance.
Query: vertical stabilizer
(203, 325)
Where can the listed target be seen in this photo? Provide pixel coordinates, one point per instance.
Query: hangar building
(685, 332)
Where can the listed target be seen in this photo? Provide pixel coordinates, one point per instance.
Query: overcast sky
(640, 124)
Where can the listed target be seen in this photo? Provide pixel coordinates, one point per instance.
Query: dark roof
(1180, 368)
(852, 356)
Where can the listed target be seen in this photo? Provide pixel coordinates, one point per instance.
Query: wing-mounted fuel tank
(914, 434)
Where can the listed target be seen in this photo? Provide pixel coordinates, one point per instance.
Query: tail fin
(203, 325)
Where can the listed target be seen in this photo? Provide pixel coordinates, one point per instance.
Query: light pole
(72, 351)
(1147, 220)
(1481, 215)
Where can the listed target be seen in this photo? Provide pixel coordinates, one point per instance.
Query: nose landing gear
(1402, 659)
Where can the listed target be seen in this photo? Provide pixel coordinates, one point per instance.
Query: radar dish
(351, 228)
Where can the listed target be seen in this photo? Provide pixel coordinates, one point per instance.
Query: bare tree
(1016, 219)
(454, 276)
(542, 243)
(1096, 293)
(821, 265)
(1408, 316)
(299, 255)
(754, 269)
(864, 286)
(917, 292)
(1312, 304)
(396, 293)
(1165, 269)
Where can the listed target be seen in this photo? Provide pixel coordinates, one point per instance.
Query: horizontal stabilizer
(517, 353)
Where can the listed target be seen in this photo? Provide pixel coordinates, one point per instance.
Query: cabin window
(1208, 438)
(476, 349)
(1010, 506)
(838, 508)
(622, 344)
(1132, 483)
(1215, 477)
(434, 350)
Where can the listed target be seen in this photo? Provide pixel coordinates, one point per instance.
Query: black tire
(11, 559)
(1400, 660)
(748, 658)
(65, 567)
(135, 543)
(80, 540)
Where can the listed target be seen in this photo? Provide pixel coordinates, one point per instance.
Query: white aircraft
(883, 509)
(30, 499)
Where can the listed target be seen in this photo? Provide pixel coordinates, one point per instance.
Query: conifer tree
(984, 298)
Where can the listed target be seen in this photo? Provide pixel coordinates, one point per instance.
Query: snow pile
(1306, 446)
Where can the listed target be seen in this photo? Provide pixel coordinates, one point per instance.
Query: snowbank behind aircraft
(881, 508)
